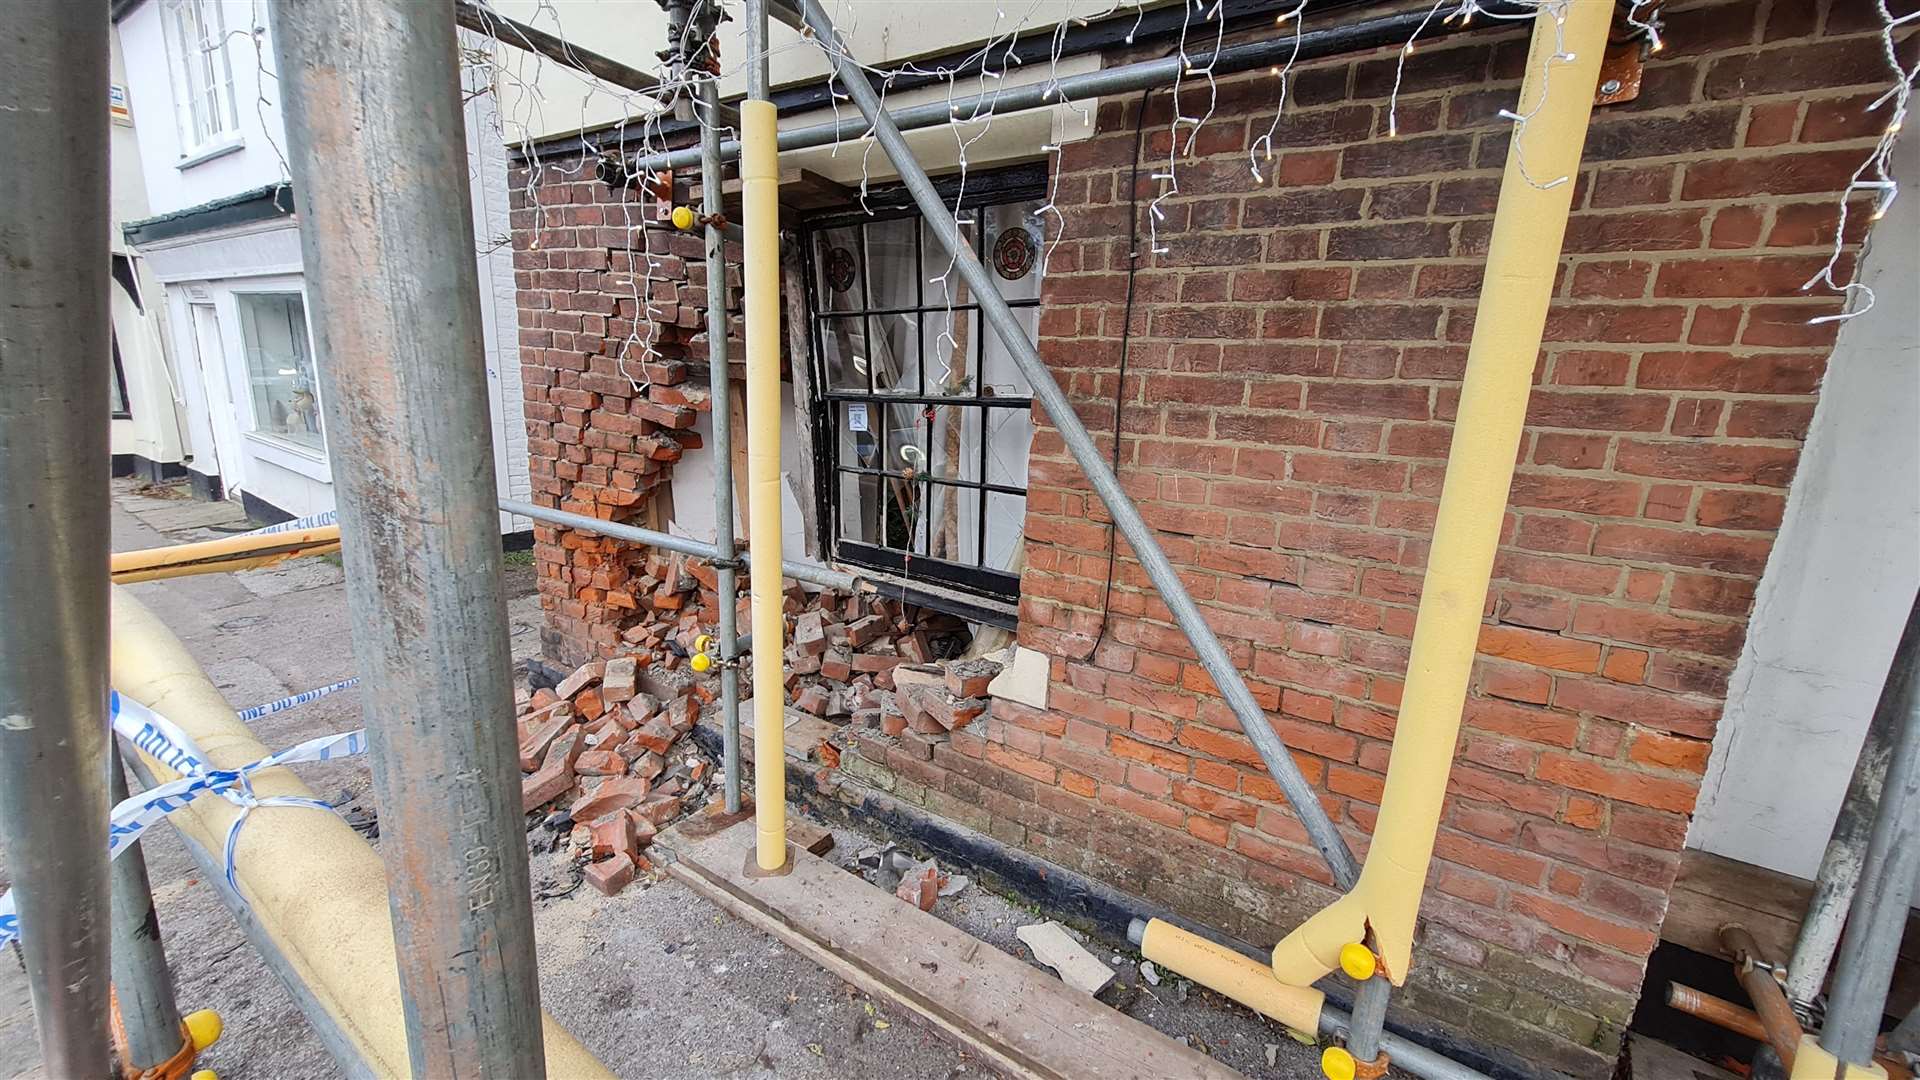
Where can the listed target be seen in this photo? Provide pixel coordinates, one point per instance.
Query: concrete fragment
(1054, 947)
(1024, 680)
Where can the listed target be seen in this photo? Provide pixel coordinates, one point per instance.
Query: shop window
(196, 33)
(922, 421)
(280, 375)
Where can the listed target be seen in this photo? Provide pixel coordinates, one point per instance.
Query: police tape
(248, 716)
(316, 521)
(163, 740)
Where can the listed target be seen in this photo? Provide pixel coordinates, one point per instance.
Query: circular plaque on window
(1013, 253)
(840, 269)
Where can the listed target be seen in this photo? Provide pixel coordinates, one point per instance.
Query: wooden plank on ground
(1023, 1021)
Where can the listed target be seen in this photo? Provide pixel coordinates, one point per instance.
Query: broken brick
(544, 786)
(658, 810)
(618, 793)
(655, 735)
(535, 738)
(600, 763)
(837, 665)
(813, 700)
(920, 888)
(617, 684)
(612, 875)
(866, 630)
(583, 676)
(612, 835)
(809, 634)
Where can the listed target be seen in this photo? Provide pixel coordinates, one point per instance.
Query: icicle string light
(1874, 177)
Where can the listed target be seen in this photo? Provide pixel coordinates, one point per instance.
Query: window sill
(308, 463)
(210, 151)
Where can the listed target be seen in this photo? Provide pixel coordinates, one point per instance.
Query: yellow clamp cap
(204, 1028)
(203, 1074)
(1357, 961)
(1337, 1063)
(700, 643)
(682, 217)
(700, 662)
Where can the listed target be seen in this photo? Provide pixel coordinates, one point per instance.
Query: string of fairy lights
(642, 126)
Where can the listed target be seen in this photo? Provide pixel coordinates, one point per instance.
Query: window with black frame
(922, 419)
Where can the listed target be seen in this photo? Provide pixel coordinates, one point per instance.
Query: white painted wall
(154, 431)
(540, 99)
(699, 469)
(1838, 584)
(152, 178)
(551, 99)
(172, 183)
(499, 306)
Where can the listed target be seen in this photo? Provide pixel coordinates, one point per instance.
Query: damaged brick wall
(611, 395)
(1291, 379)
(1292, 375)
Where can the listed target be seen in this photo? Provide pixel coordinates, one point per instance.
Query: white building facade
(221, 239)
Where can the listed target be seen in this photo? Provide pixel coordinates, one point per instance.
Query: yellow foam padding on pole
(1219, 968)
(222, 556)
(1522, 257)
(1810, 1062)
(316, 888)
(760, 204)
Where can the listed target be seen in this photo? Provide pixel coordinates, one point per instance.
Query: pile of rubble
(611, 759)
(878, 662)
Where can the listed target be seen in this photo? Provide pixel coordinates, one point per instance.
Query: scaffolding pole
(727, 583)
(53, 517)
(1139, 535)
(142, 986)
(373, 135)
(1864, 969)
(1846, 853)
(1393, 29)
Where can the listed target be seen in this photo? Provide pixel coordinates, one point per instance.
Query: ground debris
(1054, 947)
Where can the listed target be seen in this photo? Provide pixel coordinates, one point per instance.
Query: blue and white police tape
(161, 739)
(316, 521)
(248, 716)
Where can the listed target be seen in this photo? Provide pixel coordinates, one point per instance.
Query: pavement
(657, 981)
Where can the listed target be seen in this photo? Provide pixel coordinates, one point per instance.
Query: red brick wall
(606, 417)
(1293, 371)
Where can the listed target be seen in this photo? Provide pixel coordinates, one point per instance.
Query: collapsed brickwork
(1293, 366)
(613, 347)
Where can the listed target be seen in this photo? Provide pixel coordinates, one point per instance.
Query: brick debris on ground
(604, 750)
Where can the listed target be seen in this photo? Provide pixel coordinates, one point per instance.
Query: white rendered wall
(1838, 584)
